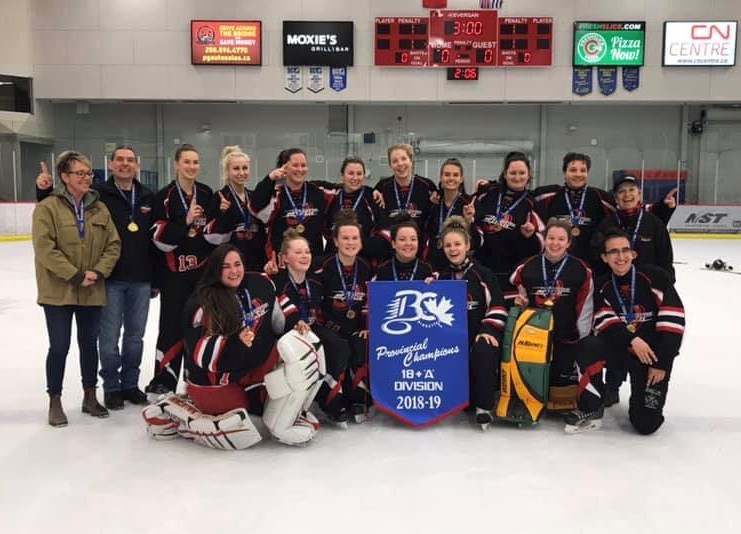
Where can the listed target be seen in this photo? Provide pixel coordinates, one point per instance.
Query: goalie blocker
(291, 388)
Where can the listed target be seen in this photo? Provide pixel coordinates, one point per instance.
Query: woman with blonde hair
(234, 220)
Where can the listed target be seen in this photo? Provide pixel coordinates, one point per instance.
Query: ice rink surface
(108, 476)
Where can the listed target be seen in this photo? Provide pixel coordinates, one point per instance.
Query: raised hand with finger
(44, 179)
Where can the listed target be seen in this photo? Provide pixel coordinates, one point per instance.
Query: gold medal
(549, 303)
(575, 231)
(496, 226)
(631, 328)
(300, 228)
(350, 314)
(132, 227)
(192, 232)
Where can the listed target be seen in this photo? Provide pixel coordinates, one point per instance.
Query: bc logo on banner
(418, 353)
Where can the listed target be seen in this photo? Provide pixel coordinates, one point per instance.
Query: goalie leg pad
(160, 425)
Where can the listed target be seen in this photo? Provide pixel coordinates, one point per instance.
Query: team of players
(322, 242)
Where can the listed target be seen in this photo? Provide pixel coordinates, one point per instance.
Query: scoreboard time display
(459, 38)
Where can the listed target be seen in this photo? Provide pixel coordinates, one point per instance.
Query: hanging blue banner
(631, 78)
(607, 79)
(581, 83)
(338, 78)
(418, 349)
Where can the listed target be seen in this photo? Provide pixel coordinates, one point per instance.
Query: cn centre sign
(700, 43)
(326, 43)
(706, 219)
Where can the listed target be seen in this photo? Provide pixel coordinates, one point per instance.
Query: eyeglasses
(81, 174)
(615, 252)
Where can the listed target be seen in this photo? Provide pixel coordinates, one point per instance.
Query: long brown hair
(219, 302)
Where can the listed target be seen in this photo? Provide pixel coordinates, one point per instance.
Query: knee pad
(292, 387)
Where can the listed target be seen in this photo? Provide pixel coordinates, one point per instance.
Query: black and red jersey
(500, 213)
(221, 358)
(345, 298)
(569, 287)
(642, 303)
(394, 269)
(281, 208)
(487, 313)
(413, 199)
(305, 297)
(368, 215)
(185, 247)
(238, 226)
(432, 251)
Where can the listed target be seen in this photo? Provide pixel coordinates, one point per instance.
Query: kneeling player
(486, 316)
(641, 317)
(231, 351)
(555, 279)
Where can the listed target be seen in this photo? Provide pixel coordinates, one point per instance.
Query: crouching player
(638, 312)
(557, 280)
(231, 351)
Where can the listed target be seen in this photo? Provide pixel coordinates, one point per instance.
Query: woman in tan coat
(76, 246)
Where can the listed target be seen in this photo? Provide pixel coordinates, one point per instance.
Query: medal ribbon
(80, 216)
(357, 201)
(409, 195)
(247, 318)
(182, 195)
(550, 285)
(627, 310)
(516, 203)
(414, 270)
(133, 199)
(245, 214)
(447, 215)
(635, 230)
(349, 294)
(574, 215)
(298, 214)
(303, 306)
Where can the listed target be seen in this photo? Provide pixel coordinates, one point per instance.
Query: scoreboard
(459, 38)
(401, 41)
(463, 38)
(525, 41)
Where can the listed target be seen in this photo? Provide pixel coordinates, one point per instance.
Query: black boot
(90, 404)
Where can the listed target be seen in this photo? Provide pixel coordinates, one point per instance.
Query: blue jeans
(127, 305)
(59, 328)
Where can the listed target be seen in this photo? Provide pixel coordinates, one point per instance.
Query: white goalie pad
(292, 387)
(232, 430)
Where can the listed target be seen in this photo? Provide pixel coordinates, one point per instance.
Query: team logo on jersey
(542, 294)
(411, 306)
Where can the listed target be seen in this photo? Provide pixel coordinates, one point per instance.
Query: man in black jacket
(128, 289)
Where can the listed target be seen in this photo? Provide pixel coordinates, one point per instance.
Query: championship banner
(316, 79)
(293, 79)
(338, 78)
(631, 78)
(581, 83)
(607, 79)
(418, 349)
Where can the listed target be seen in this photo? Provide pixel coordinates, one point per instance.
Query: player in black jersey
(454, 201)
(487, 316)
(344, 278)
(405, 263)
(234, 220)
(649, 237)
(358, 198)
(563, 283)
(294, 203)
(508, 230)
(180, 216)
(405, 191)
(640, 315)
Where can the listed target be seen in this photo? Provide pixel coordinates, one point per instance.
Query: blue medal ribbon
(349, 294)
(303, 304)
(409, 195)
(181, 193)
(574, 215)
(516, 203)
(245, 214)
(247, 314)
(393, 268)
(447, 215)
(357, 201)
(80, 216)
(635, 230)
(133, 198)
(550, 285)
(298, 214)
(626, 309)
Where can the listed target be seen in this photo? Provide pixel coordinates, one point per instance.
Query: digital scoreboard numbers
(402, 41)
(525, 42)
(463, 38)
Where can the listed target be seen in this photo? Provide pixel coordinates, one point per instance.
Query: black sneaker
(611, 396)
(484, 418)
(134, 396)
(113, 400)
(578, 421)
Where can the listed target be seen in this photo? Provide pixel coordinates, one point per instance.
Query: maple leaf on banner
(440, 310)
